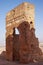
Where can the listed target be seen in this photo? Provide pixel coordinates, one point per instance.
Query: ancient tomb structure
(24, 46)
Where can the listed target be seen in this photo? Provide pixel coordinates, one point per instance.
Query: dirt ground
(3, 61)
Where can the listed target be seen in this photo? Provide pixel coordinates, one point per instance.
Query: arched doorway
(15, 44)
(20, 41)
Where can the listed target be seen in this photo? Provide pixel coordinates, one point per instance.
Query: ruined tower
(21, 18)
(23, 12)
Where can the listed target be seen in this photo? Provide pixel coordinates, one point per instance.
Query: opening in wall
(31, 22)
(17, 31)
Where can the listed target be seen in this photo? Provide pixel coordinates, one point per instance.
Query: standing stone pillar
(9, 47)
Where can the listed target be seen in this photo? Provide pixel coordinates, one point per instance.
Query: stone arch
(20, 39)
(19, 42)
(16, 31)
(15, 43)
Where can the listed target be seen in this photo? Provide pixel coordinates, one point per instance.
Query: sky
(7, 5)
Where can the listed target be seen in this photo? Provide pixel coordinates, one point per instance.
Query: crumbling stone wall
(12, 47)
(9, 48)
(25, 46)
(24, 39)
(29, 44)
(16, 47)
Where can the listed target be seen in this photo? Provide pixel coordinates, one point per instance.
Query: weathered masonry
(23, 46)
(23, 12)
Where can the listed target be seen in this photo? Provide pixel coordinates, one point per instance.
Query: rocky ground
(3, 61)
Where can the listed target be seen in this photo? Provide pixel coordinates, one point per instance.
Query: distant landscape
(2, 48)
(41, 46)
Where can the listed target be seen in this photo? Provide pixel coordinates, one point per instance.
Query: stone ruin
(22, 47)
